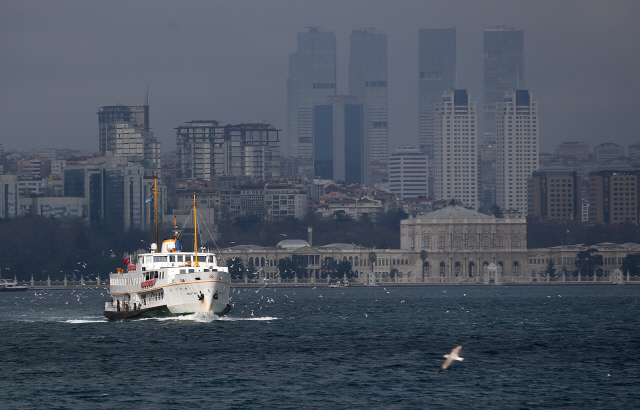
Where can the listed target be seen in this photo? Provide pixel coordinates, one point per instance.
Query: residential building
(341, 143)
(28, 188)
(516, 148)
(35, 168)
(607, 152)
(368, 81)
(456, 147)
(554, 194)
(437, 74)
(573, 149)
(408, 173)
(124, 132)
(312, 78)
(283, 201)
(206, 149)
(252, 150)
(200, 150)
(614, 192)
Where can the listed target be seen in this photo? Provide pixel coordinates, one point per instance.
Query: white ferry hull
(202, 296)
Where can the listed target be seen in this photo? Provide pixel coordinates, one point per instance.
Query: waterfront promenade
(617, 279)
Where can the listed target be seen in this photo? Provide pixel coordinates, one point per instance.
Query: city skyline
(62, 69)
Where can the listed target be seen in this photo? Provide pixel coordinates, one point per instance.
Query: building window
(442, 269)
(499, 241)
(472, 241)
(485, 241)
(441, 241)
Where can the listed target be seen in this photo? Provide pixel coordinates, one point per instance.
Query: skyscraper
(368, 81)
(341, 143)
(503, 71)
(312, 77)
(517, 153)
(456, 146)
(124, 131)
(437, 65)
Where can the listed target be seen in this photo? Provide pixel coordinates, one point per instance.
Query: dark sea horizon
(525, 347)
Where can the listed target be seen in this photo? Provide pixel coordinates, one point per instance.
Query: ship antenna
(195, 229)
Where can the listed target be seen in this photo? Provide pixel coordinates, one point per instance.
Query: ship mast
(155, 201)
(195, 229)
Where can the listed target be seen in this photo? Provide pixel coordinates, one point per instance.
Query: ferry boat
(339, 284)
(7, 285)
(169, 281)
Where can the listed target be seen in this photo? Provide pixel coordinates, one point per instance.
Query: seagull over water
(454, 355)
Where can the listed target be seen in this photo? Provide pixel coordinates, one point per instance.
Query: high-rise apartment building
(368, 81)
(614, 192)
(437, 67)
(554, 194)
(200, 150)
(252, 150)
(408, 174)
(503, 71)
(516, 148)
(456, 147)
(206, 149)
(124, 132)
(312, 77)
(340, 138)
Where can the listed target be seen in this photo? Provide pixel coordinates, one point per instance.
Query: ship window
(183, 271)
(187, 258)
(172, 258)
(211, 258)
(155, 276)
(159, 258)
(180, 258)
(202, 258)
(197, 277)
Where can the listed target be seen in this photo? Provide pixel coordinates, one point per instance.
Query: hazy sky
(228, 61)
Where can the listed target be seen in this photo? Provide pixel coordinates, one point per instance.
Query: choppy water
(554, 347)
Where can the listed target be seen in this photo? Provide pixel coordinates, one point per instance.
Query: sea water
(525, 347)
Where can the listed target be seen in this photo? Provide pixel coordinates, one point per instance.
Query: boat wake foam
(88, 320)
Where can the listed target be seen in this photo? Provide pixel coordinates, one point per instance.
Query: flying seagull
(451, 357)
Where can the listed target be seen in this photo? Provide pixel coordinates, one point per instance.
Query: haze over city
(228, 61)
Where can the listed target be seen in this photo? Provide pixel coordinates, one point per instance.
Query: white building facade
(456, 147)
(517, 154)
